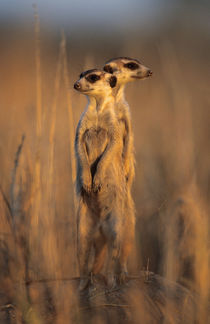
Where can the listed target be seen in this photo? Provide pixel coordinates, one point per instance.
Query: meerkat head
(95, 83)
(127, 69)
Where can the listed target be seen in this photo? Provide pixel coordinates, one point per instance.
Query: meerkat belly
(96, 142)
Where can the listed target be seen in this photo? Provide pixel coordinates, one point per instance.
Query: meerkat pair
(105, 169)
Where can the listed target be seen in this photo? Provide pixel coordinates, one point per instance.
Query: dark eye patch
(92, 78)
(113, 81)
(83, 74)
(108, 68)
(131, 66)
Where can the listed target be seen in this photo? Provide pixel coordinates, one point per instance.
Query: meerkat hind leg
(100, 254)
(85, 230)
(112, 228)
(128, 239)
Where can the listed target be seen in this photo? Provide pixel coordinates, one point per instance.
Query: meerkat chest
(96, 137)
(96, 141)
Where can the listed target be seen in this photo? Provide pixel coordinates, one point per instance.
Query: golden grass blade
(37, 175)
(70, 112)
(53, 121)
(14, 172)
(38, 73)
(71, 141)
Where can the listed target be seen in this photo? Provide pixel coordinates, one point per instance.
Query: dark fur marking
(113, 81)
(93, 167)
(131, 66)
(121, 58)
(87, 72)
(108, 68)
(92, 78)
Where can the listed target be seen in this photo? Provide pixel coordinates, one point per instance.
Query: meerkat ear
(108, 68)
(113, 81)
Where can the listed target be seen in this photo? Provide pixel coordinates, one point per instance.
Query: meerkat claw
(87, 189)
(97, 188)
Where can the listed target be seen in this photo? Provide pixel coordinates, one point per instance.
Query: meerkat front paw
(97, 183)
(87, 181)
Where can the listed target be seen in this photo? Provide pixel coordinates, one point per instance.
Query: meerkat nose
(149, 73)
(77, 86)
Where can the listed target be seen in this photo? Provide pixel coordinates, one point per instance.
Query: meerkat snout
(142, 73)
(150, 73)
(77, 85)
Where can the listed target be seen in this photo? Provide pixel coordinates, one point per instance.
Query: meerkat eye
(131, 66)
(93, 78)
(108, 68)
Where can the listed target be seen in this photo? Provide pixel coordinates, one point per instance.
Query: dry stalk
(7, 203)
(14, 173)
(71, 136)
(53, 120)
(106, 305)
(70, 113)
(37, 176)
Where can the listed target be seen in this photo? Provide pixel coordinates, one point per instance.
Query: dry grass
(37, 202)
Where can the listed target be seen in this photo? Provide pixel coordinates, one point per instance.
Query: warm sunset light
(104, 204)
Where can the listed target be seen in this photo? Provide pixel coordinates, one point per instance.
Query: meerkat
(100, 181)
(127, 70)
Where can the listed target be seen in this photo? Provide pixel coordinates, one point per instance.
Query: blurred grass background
(39, 111)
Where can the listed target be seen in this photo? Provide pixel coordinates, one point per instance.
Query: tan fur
(124, 118)
(123, 114)
(124, 75)
(101, 183)
(118, 68)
